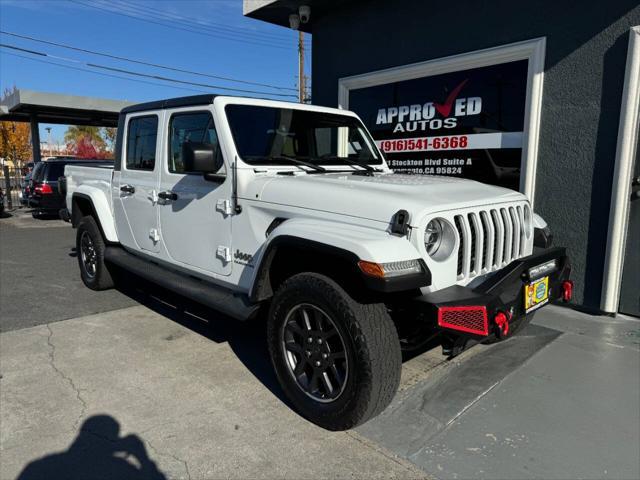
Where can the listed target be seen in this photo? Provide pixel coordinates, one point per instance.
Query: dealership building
(541, 97)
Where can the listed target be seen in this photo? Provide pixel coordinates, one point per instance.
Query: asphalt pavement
(40, 277)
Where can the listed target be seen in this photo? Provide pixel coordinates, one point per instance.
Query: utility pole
(48, 129)
(301, 79)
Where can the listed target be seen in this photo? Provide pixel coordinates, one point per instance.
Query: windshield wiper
(295, 161)
(367, 169)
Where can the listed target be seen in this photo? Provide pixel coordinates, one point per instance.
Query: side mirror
(204, 158)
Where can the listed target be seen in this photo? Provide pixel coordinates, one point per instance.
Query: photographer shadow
(98, 452)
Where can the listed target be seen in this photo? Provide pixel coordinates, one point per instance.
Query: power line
(191, 30)
(155, 77)
(192, 23)
(140, 62)
(102, 74)
(198, 21)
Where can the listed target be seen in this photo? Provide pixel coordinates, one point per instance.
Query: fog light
(502, 322)
(567, 290)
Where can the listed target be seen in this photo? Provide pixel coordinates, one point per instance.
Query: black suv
(44, 197)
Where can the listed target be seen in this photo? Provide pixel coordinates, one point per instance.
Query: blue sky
(205, 36)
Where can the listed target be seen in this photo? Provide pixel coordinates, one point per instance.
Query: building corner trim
(621, 188)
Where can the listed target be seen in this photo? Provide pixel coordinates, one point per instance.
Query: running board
(226, 301)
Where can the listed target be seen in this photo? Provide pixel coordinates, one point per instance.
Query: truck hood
(380, 197)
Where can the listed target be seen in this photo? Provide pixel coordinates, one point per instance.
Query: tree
(89, 142)
(14, 142)
(85, 147)
(75, 133)
(109, 136)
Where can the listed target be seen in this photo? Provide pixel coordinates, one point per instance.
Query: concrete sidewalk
(561, 400)
(187, 394)
(203, 408)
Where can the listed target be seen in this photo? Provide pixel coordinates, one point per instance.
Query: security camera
(305, 13)
(294, 21)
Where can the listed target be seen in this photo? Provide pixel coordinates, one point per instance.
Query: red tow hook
(567, 291)
(502, 322)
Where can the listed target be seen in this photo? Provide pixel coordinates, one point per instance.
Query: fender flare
(100, 209)
(542, 234)
(314, 236)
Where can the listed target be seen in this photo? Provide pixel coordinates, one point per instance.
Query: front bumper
(478, 308)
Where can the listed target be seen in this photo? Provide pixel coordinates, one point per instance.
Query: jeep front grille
(490, 239)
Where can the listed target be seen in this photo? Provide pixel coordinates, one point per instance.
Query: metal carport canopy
(22, 105)
(42, 107)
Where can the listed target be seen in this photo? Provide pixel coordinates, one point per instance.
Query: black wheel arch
(287, 255)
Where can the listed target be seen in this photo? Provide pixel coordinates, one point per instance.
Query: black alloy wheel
(315, 352)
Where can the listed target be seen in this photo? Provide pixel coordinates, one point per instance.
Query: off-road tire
(102, 279)
(371, 345)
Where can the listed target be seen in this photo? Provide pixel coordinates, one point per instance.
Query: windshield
(269, 135)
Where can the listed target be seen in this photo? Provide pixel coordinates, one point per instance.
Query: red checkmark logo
(445, 109)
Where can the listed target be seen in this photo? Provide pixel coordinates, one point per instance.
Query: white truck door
(135, 189)
(195, 214)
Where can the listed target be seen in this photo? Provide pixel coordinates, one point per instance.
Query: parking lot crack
(65, 377)
(169, 455)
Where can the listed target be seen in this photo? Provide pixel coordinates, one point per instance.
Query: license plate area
(536, 294)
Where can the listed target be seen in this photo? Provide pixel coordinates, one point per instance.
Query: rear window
(55, 171)
(141, 143)
(38, 172)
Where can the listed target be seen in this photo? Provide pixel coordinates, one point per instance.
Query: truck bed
(97, 176)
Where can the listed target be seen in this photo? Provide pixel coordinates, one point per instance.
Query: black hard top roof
(171, 103)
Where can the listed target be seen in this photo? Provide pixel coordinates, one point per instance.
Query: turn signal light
(390, 269)
(567, 290)
(372, 269)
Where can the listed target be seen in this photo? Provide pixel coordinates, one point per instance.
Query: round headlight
(433, 236)
(439, 239)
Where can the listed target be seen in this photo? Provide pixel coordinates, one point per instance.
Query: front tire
(337, 360)
(90, 249)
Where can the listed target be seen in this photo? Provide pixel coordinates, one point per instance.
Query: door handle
(128, 189)
(168, 195)
(635, 188)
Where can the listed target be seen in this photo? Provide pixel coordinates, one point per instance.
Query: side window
(189, 128)
(141, 143)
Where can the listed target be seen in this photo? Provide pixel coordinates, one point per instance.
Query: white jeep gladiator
(240, 204)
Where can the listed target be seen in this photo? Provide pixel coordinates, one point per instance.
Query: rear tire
(337, 360)
(90, 249)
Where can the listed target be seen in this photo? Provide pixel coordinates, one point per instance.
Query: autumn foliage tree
(87, 142)
(85, 148)
(14, 142)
